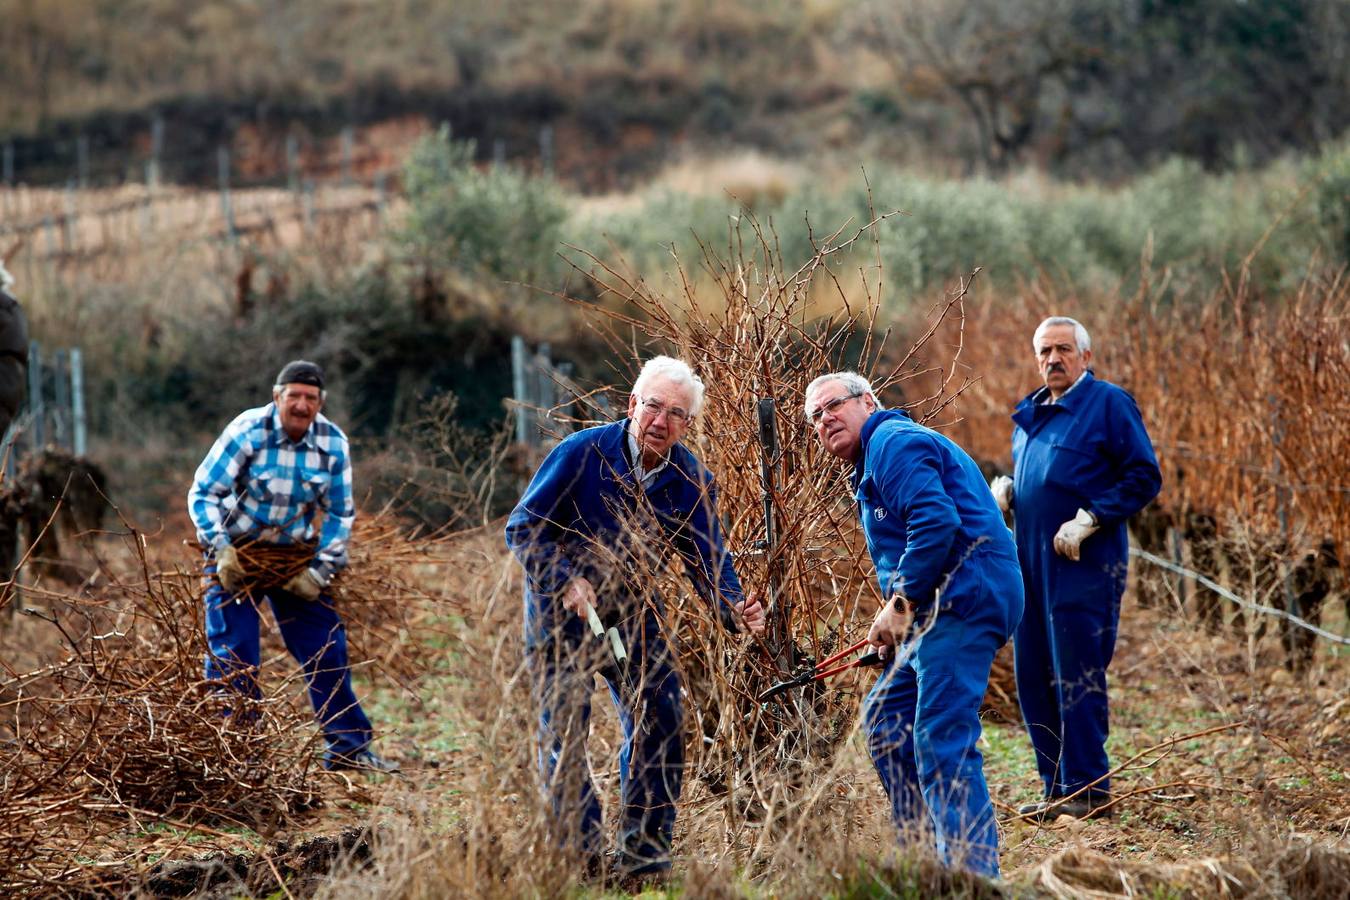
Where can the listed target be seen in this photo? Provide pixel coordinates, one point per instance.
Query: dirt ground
(1219, 748)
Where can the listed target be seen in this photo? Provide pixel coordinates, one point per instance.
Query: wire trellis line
(1229, 595)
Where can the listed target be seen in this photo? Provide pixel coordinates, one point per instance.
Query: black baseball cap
(301, 371)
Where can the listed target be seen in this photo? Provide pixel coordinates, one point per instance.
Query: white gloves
(229, 572)
(306, 585)
(1073, 532)
(1002, 489)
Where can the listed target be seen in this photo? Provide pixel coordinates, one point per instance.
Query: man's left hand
(1069, 539)
(751, 613)
(306, 585)
(891, 626)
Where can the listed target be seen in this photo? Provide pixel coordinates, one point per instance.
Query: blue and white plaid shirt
(258, 483)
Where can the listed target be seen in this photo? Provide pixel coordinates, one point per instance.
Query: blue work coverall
(584, 515)
(1089, 450)
(937, 537)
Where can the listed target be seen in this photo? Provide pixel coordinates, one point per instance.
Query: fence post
(292, 163)
(347, 141)
(7, 452)
(35, 394)
(307, 205)
(152, 171)
(223, 171)
(1291, 603)
(498, 153)
(60, 400)
(546, 148)
(68, 227)
(82, 160)
(543, 392)
(518, 388)
(77, 400)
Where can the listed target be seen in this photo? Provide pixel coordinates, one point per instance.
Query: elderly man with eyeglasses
(951, 596)
(590, 531)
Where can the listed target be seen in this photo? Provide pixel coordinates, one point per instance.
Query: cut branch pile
(121, 731)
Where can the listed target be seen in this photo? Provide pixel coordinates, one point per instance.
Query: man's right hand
(1002, 489)
(229, 572)
(578, 595)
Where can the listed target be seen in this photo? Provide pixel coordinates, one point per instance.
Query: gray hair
(852, 382)
(676, 370)
(281, 389)
(1080, 334)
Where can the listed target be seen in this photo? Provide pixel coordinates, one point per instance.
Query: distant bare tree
(995, 58)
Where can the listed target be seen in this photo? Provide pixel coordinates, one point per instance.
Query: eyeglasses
(654, 408)
(831, 407)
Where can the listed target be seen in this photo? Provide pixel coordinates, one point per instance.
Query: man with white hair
(590, 531)
(265, 481)
(951, 594)
(1082, 465)
(13, 352)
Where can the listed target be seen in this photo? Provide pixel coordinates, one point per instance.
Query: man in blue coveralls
(264, 480)
(944, 560)
(589, 532)
(1082, 465)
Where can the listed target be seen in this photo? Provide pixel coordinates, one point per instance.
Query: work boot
(634, 874)
(366, 760)
(1080, 807)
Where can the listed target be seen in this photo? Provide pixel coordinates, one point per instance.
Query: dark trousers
(646, 694)
(1061, 651)
(922, 725)
(315, 637)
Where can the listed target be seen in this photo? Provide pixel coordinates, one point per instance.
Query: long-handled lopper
(824, 669)
(612, 635)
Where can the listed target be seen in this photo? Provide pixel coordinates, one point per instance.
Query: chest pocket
(293, 487)
(1079, 467)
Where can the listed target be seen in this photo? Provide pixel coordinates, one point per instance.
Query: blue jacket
(1089, 450)
(929, 517)
(575, 519)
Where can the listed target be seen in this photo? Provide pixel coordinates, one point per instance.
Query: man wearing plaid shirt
(263, 481)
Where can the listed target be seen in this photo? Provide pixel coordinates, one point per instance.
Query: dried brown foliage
(119, 730)
(745, 322)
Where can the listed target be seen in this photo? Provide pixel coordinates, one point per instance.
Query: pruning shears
(612, 635)
(824, 669)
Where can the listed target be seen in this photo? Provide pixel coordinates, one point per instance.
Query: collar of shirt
(1048, 400)
(644, 476)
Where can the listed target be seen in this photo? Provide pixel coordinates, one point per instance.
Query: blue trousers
(1061, 651)
(313, 634)
(922, 725)
(646, 694)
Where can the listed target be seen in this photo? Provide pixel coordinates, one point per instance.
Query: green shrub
(1333, 203)
(499, 223)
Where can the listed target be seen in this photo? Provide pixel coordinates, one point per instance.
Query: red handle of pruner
(842, 653)
(861, 662)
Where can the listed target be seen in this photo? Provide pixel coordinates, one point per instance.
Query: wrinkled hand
(229, 572)
(751, 614)
(578, 595)
(891, 625)
(1002, 489)
(1070, 537)
(306, 585)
